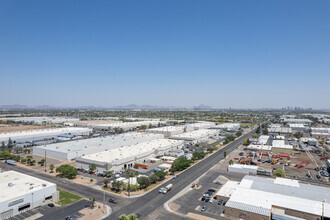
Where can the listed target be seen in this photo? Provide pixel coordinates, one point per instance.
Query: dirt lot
(290, 170)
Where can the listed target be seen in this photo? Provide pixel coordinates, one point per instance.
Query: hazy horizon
(247, 54)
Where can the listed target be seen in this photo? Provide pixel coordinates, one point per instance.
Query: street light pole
(45, 159)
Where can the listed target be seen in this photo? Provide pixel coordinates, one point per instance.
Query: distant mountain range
(125, 107)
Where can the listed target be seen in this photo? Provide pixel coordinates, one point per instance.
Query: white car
(211, 200)
(117, 175)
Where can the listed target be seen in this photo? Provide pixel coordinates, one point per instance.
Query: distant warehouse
(42, 134)
(126, 126)
(197, 136)
(168, 131)
(121, 158)
(227, 126)
(72, 149)
(20, 192)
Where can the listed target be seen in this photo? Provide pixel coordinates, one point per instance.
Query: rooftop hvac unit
(10, 184)
(44, 185)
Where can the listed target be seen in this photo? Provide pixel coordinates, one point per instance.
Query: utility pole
(45, 159)
(129, 179)
(323, 209)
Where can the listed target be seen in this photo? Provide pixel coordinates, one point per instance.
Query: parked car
(207, 199)
(211, 190)
(203, 208)
(51, 205)
(161, 190)
(117, 175)
(68, 218)
(211, 200)
(218, 182)
(203, 198)
(113, 201)
(175, 176)
(220, 202)
(224, 203)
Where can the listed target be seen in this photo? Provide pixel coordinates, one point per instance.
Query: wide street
(146, 204)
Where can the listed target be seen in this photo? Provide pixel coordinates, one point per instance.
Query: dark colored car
(68, 218)
(113, 201)
(203, 198)
(51, 205)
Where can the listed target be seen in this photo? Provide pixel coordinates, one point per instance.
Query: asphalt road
(146, 204)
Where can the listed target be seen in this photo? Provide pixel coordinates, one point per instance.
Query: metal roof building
(125, 125)
(228, 126)
(195, 136)
(72, 149)
(120, 158)
(42, 134)
(167, 131)
(20, 192)
(258, 198)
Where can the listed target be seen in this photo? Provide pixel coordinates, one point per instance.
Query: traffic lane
(153, 200)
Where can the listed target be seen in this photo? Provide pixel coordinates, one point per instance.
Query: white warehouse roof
(52, 132)
(72, 149)
(14, 184)
(258, 195)
(228, 126)
(120, 155)
(195, 135)
(125, 125)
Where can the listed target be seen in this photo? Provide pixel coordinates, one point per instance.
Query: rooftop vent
(44, 185)
(10, 184)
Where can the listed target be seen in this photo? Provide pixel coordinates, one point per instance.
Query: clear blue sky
(220, 53)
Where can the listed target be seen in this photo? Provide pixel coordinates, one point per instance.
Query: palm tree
(123, 217)
(106, 182)
(92, 202)
(51, 167)
(132, 217)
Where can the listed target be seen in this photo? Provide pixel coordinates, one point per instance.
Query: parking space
(53, 213)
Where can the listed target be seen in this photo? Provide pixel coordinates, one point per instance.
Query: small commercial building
(20, 192)
(121, 158)
(279, 147)
(320, 133)
(263, 139)
(243, 168)
(259, 147)
(267, 198)
(226, 190)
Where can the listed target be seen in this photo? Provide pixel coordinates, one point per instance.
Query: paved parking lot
(191, 202)
(55, 213)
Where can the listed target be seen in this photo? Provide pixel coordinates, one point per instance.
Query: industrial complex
(20, 192)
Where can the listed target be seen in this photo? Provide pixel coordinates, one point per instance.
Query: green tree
(123, 217)
(67, 171)
(198, 155)
(231, 162)
(92, 167)
(225, 154)
(238, 134)
(109, 173)
(106, 182)
(32, 162)
(180, 164)
(161, 174)
(29, 160)
(255, 136)
(3, 146)
(279, 173)
(246, 142)
(132, 217)
(42, 162)
(117, 185)
(23, 160)
(210, 149)
(10, 144)
(137, 173)
(298, 135)
(5, 154)
(51, 167)
(153, 178)
(143, 181)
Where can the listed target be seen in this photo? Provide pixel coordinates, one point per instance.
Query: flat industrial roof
(168, 128)
(49, 131)
(21, 184)
(101, 142)
(259, 147)
(258, 195)
(132, 150)
(193, 135)
(228, 188)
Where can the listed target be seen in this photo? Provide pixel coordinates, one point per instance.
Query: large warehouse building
(126, 126)
(266, 198)
(20, 192)
(118, 159)
(41, 120)
(167, 131)
(197, 136)
(227, 126)
(73, 149)
(42, 134)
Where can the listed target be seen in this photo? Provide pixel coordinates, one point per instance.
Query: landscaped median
(67, 198)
